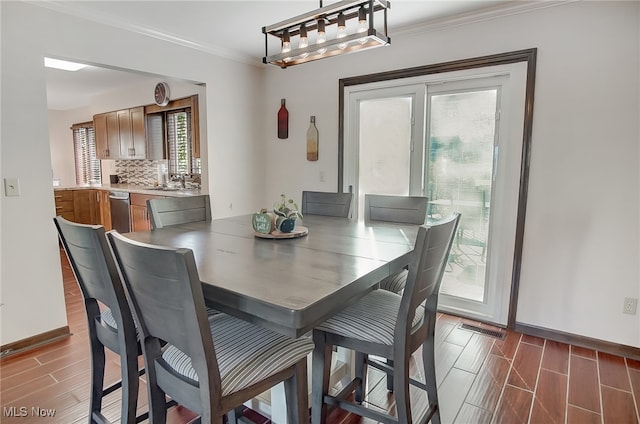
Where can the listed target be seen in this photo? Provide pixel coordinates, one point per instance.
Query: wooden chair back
(167, 300)
(95, 270)
(99, 281)
(178, 210)
(426, 269)
(327, 204)
(400, 209)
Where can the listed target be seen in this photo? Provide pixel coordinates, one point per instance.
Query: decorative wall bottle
(283, 121)
(312, 141)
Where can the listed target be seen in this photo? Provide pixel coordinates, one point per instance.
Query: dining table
(289, 285)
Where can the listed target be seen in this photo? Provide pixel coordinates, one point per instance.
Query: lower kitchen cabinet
(64, 204)
(104, 210)
(84, 206)
(140, 220)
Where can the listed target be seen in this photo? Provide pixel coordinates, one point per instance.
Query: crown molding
(512, 8)
(509, 9)
(116, 22)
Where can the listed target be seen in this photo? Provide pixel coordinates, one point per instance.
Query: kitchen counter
(134, 188)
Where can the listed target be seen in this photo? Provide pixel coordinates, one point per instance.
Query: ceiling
(231, 29)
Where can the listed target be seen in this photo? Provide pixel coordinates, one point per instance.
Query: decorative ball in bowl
(285, 225)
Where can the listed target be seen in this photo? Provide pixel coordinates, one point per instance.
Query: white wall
(31, 285)
(61, 143)
(582, 244)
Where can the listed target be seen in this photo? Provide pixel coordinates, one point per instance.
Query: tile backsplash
(141, 172)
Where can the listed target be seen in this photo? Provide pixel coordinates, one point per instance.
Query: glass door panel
(462, 133)
(384, 147)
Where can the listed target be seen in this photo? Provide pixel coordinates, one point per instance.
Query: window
(84, 145)
(173, 135)
(179, 146)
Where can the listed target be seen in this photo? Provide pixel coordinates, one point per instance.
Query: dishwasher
(119, 201)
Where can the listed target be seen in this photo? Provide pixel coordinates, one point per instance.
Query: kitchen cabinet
(64, 204)
(132, 133)
(84, 206)
(105, 126)
(104, 209)
(195, 127)
(100, 134)
(120, 134)
(140, 220)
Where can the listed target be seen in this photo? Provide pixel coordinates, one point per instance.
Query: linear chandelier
(297, 48)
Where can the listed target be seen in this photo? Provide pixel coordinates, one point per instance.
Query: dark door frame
(528, 56)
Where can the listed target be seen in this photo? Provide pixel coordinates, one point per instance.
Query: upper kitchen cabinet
(132, 133)
(106, 148)
(120, 134)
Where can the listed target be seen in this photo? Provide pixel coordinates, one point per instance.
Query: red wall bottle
(283, 121)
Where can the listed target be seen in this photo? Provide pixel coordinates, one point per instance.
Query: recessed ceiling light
(63, 64)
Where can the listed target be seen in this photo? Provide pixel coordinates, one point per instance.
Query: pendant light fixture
(361, 35)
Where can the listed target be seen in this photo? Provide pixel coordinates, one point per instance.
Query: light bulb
(322, 36)
(286, 45)
(304, 41)
(342, 31)
(362, 23)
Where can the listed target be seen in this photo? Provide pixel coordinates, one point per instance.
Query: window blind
(84, 144)
(180, 154)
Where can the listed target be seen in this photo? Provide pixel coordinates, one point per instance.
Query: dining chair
(390, 326)
(327, 204)
(178, 210)
(398, 209)
(114, 328)
(209, 365)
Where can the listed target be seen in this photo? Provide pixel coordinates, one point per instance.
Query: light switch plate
(11, 187)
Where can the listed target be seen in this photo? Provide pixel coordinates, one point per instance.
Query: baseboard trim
(33, 342)
(582, 341)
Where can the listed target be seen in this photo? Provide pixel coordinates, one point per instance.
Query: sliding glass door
(441, 139)
(462, 129)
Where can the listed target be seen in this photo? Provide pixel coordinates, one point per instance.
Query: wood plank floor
(481, 379)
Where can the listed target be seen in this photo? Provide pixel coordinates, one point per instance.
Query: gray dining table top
(289, 285)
